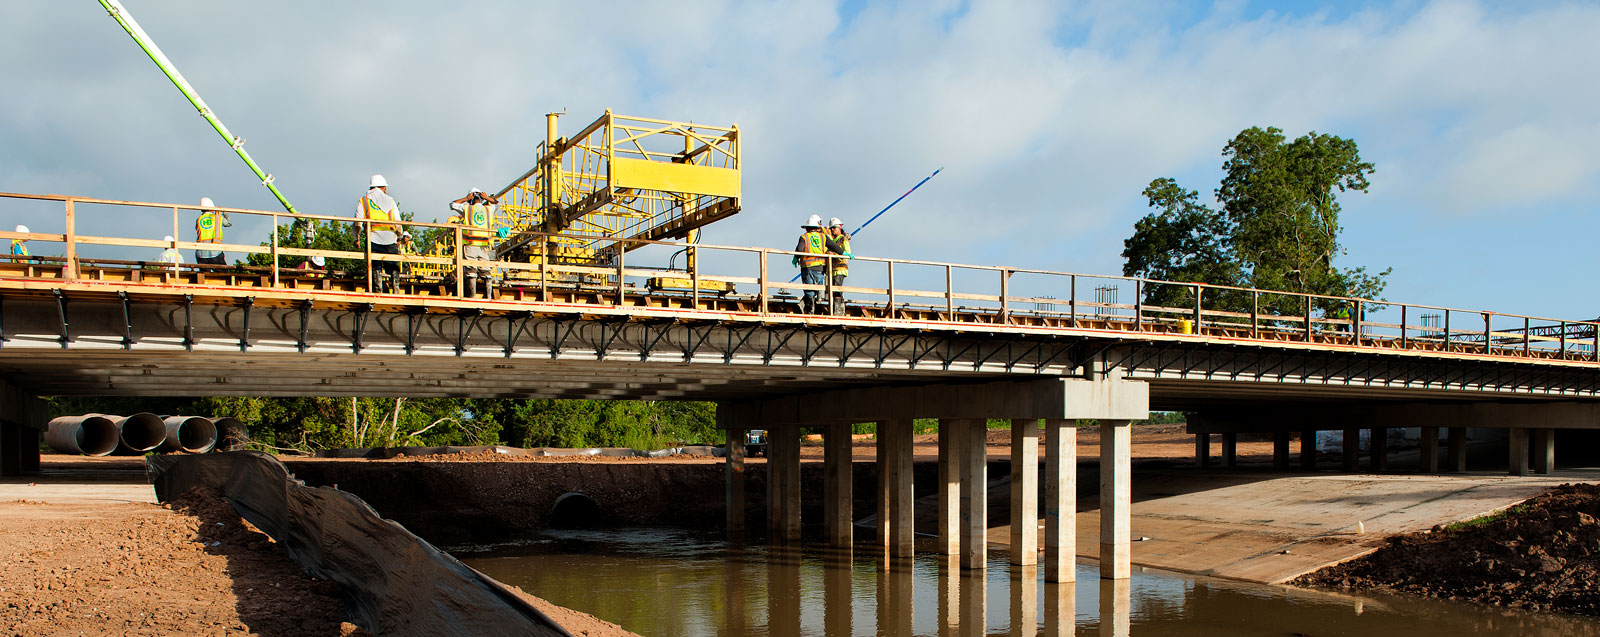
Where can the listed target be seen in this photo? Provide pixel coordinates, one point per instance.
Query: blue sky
(1049, 117)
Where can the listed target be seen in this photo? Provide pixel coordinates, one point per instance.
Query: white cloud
(1049, 117)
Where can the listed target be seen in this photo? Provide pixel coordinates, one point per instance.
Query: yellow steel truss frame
(622, 177)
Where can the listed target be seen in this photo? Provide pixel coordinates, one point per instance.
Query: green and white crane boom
(124, 18)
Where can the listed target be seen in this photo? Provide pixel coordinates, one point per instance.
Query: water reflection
(681, 583)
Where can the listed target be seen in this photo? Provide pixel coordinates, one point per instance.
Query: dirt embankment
(134, 568)
(1543, 554)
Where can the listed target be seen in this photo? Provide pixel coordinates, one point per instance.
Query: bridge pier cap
(1058, 398)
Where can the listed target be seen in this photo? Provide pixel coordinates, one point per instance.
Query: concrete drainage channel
(103, 434)
(393, 581)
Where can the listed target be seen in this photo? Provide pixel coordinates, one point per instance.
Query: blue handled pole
(886, 209)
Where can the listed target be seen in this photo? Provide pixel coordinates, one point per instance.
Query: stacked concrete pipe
(191, 434)
(139, 433)
(231, 433)
(90, 435)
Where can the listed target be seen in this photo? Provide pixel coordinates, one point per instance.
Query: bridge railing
(758, 280)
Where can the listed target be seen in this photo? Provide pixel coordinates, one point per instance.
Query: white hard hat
(206, 202)
(167, 238)
(814, 221)
(378, 182)
(317, 261)
(473, 191)
(22, 228)
(835, 222)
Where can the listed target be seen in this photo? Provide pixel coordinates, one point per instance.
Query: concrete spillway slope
(1273, 528)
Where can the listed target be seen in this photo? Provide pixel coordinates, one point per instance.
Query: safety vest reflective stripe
(206, 229)
(815, 244)
(841, 266)
(378, 214)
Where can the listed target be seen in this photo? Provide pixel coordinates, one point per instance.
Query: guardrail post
(1197, 311)
(544, 273)
(1255, 314)
(762, 282)
(694, 278)
(949, 294)
(275, 281)
(1138, 306)
(461, 271)
(1527, 336)
(1488, 334)
(1307, 306)
(1355, 322)
(71, 269)
(621, 294)
(366, 249)
(1072, 302)
(1563, 342)
(891, 289)
(1403, 344)
(1005, 291)
(1447, 330)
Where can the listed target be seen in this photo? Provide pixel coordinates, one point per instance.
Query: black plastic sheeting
(394, 581)
(613, 452)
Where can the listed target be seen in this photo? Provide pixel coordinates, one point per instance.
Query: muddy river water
(674, 582)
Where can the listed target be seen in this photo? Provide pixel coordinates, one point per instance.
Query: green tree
(1277, 227)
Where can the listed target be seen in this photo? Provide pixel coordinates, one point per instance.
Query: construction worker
(475, 211)
(378, 207)
(814, 244)
(170, 254)
(208, 229)
(19, 247)
(1342, 314)
(841, 264)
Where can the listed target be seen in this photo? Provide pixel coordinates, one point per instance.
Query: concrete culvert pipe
(232, 435)
(139, 433)
(90, 435)
(574, 510)
(191, 434)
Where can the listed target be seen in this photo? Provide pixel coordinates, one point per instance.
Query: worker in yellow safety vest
(841, 264)
(476, 211)
(814, 245)
(208, 229)
(19, 247)
(170, 256)
(378, 207)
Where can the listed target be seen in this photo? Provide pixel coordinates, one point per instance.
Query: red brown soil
(134, 568)
(1543, 554)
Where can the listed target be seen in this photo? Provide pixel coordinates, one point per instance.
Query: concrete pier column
(1060, 500)
(1352, 451)
(1024, 492)
(1430, 449)
(950, 438)
(1517, 443)
(30, 449)
(783, 483)
(1456, 456)
(837, 478)
(883, 500)
(1380, 449)
(1280, 450)
(1230, 450)
(1544, 450)
(1116, 499)
(733, 484)
(974, 497)
(1202, 450)
(10, 448)
(1308, 449)
(902, 496)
